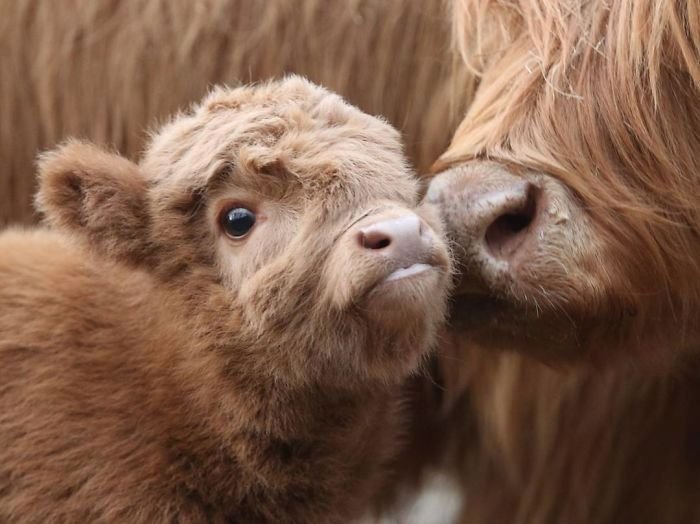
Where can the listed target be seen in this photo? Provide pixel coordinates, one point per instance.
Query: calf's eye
(237, 222)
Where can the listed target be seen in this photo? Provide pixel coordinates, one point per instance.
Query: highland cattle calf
(219, 333)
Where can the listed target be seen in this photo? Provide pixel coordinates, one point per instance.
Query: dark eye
(237, 222)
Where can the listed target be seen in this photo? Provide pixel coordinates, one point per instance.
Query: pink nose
(404, 237)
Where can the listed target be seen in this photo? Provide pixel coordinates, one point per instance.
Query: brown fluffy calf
(572, 188)
(105, 70)
(220, 332)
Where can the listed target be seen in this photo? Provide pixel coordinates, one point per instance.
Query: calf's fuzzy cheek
(342, 279)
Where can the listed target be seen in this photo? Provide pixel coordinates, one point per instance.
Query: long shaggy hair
(106, 70)
(603, 96)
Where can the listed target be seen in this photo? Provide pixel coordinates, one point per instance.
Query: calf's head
(279, 210)
(571, 190)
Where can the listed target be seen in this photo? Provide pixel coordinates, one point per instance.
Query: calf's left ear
(97, 195)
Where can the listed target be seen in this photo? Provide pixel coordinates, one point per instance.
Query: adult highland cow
(572, 192)
(106, 69)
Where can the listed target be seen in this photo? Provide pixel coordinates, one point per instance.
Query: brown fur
(154, 370)
(628, 160)
(105, 70)
(600, 100)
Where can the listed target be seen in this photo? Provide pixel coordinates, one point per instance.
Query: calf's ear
(97, 195)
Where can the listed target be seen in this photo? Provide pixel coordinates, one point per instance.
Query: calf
(219, 333)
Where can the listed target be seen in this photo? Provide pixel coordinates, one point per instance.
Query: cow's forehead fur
(300, 129)
(604, 97)
(592, 92)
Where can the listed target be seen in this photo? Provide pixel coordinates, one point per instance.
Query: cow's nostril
(374, 240)
(510, 230)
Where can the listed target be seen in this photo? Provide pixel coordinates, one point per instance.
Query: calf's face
(297, 213)
(571, 189)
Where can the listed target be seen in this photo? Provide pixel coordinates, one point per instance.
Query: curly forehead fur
(307, 132)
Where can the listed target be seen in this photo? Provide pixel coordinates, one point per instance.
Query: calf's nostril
(508, 232)
(374, 240)
(393, 235)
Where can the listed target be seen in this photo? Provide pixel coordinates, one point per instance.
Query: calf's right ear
(97, 195)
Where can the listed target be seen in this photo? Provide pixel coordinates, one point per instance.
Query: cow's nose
(401, 237)
(491, 213)
(503, 218)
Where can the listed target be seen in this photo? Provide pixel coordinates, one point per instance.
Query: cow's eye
(237, 221)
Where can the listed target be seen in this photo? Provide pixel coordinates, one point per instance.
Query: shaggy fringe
(106, 70)
(602, 95)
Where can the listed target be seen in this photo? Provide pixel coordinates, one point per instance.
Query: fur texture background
(106, 70)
